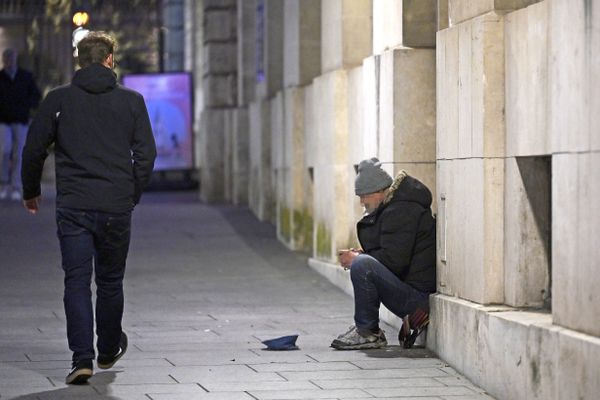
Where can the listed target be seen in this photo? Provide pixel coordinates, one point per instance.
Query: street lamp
(81, 18)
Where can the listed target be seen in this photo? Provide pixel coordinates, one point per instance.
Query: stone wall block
(219, 58)
(444, 192)
(346, 33)
(526, 57)
(474, 76)
(240, 162)
(542, 340)
(442, 15)
(331, 115)
(447, 61)
(220, 25)
(370, 108)
(574, 79)
(302, 38)
(261, 196)
(296, 199)
(218, 4)
(219, 90)
(575, 251)
(489, 137)
(527, 223)
(311, 148)
(419, 23)
(463, 10)
(387, 25)
(474, 208)
(513, 354)
(362, 112)
(578, 366)
(333, 175)
(414, 99)
(212, 145)
(228, 151)
(279, 174)
(246, 44)
(270, 80)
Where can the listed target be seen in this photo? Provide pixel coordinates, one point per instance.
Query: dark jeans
(375, 284)
(93, 241)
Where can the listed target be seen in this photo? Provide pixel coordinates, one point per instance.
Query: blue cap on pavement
(282, 343)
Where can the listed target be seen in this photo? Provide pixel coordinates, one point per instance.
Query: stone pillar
(442, 15)
(470, 132)
(527, 252)
(260, 189)
(269, 47)
(219, 67)
(463, 10)
(333, 176)
(173, 53)
(277, 155)
(240, 162)
(190, 25)
(295, 216)
(228, 152)
(197, 77)
(212, 177)
(407, 113)
(407, 23)
(574, 125)
(346, 33)
(302, 38)
(246, 55)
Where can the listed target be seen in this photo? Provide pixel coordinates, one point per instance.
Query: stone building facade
(491, 103)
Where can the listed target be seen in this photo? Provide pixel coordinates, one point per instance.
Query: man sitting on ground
(396, 263)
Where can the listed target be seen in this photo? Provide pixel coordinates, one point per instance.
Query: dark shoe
(107, 361)
(353, 340)
(412, 326)
(82, 371)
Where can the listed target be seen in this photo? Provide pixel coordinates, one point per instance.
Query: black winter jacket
(104, 145)
(400, 233)
(17, 97)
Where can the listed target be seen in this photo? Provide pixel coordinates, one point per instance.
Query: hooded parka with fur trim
(400, 233)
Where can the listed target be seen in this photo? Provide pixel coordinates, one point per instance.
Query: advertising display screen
(169, 103)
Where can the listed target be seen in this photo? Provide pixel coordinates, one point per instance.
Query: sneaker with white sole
(80, 373)
(106, 361)
(15, 195)
(355, 340)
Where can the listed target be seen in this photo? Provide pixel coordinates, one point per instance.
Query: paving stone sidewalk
(204, 285)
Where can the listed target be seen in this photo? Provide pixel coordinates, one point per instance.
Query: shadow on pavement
(98, 384)
(399, 352)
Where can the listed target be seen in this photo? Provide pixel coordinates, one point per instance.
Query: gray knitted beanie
(371, 178)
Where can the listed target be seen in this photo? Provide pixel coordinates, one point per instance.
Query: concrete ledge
(340, 278)
(514, 354)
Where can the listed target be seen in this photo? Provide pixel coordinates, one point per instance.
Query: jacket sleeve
(41, 134)
(143, 148)
(399, 225)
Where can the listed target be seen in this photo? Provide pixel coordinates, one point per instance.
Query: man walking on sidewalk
(18, 96)
(396, 265)
(105, 153)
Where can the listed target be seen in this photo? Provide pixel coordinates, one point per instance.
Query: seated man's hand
(346, 256)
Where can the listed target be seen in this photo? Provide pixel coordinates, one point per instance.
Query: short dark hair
(95, 47)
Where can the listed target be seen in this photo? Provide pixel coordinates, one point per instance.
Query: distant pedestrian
(18, 95)
(105, 153)
(396, 264)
